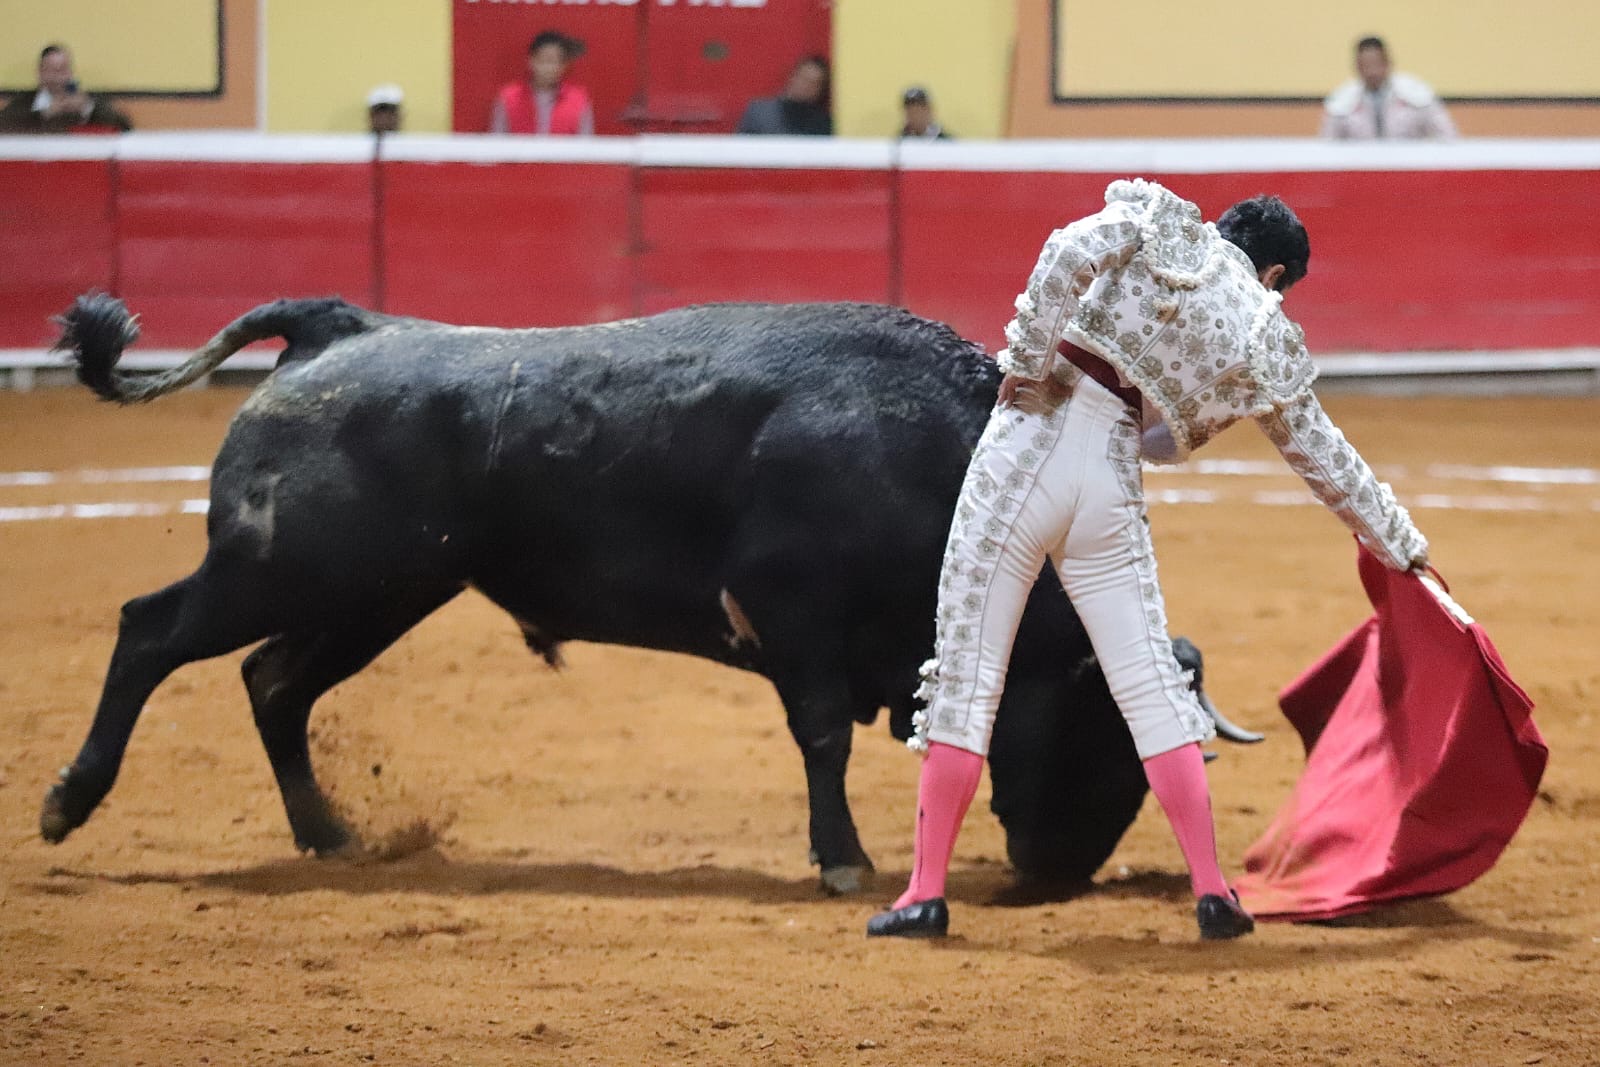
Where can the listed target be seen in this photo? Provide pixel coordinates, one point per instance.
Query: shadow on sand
(432, 872)
(1392, 932)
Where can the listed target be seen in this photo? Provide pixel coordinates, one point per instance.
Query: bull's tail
(98, 327)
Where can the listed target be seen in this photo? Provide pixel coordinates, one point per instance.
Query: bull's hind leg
(821, 720)
(285, 677)
(187, 621)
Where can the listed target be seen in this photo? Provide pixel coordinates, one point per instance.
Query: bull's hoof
(352, 849)
(846, 881)
(61, 813)
(334, 841)
(54, 825)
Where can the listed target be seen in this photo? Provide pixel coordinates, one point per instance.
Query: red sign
(649, 65)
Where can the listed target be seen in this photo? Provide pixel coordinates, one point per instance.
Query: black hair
(49, 50)
(1268, 231)
(821, 63)
(1371, 42)
(570, 45)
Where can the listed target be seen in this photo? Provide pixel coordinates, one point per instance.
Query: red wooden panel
(490, 49)
(201, 243)
(733, 234)
(56, 230)
(512, 244)
(1399, 260)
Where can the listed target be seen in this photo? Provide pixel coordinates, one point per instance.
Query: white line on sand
(112, 509)
(98, 476)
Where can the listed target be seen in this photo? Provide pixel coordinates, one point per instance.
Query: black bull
(768, 487)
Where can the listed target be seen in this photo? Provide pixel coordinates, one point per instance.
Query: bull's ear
(1189, 658)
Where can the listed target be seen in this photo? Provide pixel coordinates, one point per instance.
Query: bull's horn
(1227, 730)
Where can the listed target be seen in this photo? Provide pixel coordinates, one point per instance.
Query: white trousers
(1065, 485)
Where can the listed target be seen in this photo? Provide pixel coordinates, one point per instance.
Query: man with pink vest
(545, 103)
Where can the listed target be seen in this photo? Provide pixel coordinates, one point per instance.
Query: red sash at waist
(1101, 371)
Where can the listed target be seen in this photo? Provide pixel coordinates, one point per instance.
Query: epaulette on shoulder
(1175, 241)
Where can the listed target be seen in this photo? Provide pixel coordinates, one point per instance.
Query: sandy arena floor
(607, 865)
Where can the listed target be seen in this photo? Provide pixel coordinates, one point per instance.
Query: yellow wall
(960, 50)
(1246, 48)
(324, 55)
(180, 58)
(1034, 114)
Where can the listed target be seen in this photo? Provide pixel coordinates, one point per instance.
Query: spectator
(801, 109)
(546, 103)
(1381, 104)
(919, 116)
(58, 105)
(383, 109)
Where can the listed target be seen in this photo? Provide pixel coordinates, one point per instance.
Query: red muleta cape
(1422, 759)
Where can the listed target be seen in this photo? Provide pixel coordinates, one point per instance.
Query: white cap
(389, 94)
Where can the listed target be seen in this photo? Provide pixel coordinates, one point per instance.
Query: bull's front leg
(821, 724)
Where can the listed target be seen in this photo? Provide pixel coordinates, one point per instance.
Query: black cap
(915, 95)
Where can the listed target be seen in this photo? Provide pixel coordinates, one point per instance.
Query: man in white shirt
(1383, 104)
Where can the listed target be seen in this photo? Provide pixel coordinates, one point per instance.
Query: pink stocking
(944, 792)
(1178, 779)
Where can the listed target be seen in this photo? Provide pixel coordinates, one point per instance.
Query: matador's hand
(1008, 391)
(1032, 398)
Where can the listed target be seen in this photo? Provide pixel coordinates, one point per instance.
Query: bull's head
(1193, 664)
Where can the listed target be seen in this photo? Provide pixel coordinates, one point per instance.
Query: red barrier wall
(968, 240)
(1400, 260)
(508, 244)
(57, 239)
(500, 233)
(200, 243)
(778, 235)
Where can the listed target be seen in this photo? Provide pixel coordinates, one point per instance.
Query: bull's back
(606, 481)
(647, 467)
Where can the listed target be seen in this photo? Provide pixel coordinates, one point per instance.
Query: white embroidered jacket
(1181, 314)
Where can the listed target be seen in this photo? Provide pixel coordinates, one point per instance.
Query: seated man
(801, 109)
(58, 105)
(383, 109)
(919, 120)
(1381, 104)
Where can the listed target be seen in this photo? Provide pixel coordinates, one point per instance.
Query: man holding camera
(59, 105)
